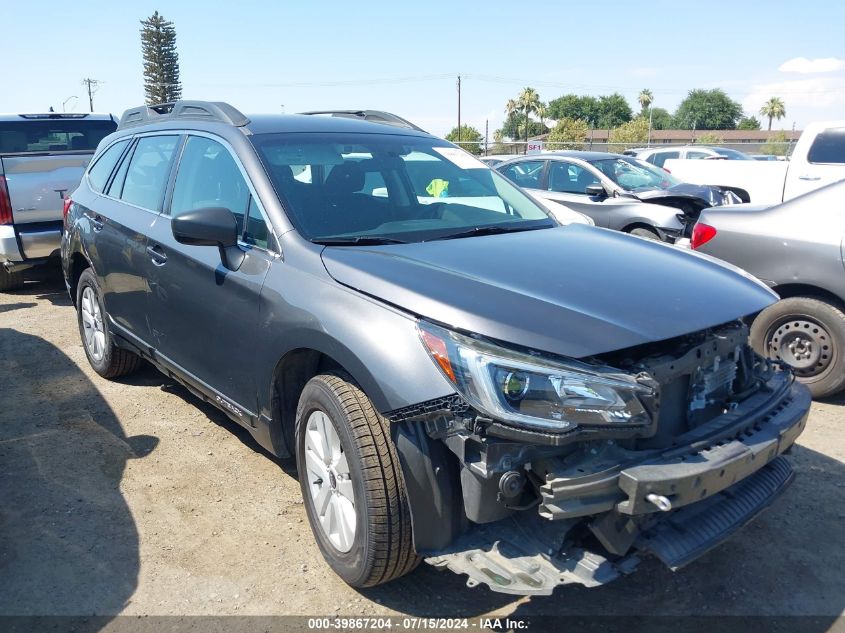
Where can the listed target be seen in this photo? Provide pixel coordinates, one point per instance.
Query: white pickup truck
(42, 157)
(818, 159)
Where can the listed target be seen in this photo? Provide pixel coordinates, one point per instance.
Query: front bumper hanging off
(714, 486)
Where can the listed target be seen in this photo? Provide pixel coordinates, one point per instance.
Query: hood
(689, 197)
(574, 291)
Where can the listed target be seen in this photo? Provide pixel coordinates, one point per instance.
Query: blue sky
(404, 57)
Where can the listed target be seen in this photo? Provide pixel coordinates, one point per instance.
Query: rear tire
(354, 491)
(646, 233)
(807, 334)
(107, 359)
(10, 281)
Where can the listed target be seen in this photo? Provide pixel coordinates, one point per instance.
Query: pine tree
(161, 61)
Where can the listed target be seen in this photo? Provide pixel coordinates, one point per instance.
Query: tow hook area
(525, 554)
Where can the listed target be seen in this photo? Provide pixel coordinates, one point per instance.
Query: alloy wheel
(330, 481)
(94, 335)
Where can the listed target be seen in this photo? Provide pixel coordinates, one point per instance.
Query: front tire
(808, 335)
(352, 483)
(107, 359)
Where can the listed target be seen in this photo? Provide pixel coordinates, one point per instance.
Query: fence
(486, 148)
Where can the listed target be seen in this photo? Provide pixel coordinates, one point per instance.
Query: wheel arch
(293, 371)
(791, 290)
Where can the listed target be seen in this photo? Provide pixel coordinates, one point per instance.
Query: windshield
(368, 187)
(635, 175)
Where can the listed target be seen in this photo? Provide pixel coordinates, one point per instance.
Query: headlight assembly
(533, 391)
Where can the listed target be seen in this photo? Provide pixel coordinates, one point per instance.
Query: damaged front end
(690, 199)
(541, 472)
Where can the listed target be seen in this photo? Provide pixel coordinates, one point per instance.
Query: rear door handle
(157, 255)
(809, 177)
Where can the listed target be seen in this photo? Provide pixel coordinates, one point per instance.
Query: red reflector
(5, 203)
(66, 206)
(701, 234)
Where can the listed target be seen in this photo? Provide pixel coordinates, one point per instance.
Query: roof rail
(376, 116)
(196, 110)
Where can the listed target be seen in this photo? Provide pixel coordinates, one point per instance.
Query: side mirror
(210, 226)
(595, 191)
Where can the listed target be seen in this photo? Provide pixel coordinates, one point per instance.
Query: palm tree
(774, 109)
(542, 111)
(645, 99)
(528, 102)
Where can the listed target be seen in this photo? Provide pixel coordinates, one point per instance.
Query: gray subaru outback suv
(460, 379)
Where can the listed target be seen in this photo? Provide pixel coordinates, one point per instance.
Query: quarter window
(99, 172)
(148, 171)
(829, 147)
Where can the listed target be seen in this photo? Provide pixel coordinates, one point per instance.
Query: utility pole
(459, 108)
(91, 84)
(486, 136)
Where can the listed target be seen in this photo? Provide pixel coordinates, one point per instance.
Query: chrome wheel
(803, 343)
(329, 481)
(93, 332)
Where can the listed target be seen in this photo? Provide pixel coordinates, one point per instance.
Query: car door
(203, 316)
(122, 221)
(823, 164)
(567, 182)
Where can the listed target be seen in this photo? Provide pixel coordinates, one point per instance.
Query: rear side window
(99, 172)
(829, 147)
(660, 158)
(148, 171)
(527, 173)
(53, 135)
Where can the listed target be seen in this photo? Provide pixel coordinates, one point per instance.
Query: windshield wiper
(357, 240)
(493, 229)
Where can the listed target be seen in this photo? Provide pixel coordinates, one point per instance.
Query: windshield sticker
(459, 157)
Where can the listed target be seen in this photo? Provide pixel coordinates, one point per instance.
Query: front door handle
(157, 255)
(97, 223)
(809, 177)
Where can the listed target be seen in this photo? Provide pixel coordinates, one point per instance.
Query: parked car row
(460, 378)
(617, 192)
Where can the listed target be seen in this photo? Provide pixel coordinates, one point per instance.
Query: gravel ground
(134, 498)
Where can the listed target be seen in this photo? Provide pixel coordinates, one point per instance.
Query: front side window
(99, 172)
(828, 147)
(147, 172)
(566, 177)
(694, 155)
(634, 175)
(391, 187)
(208, 176)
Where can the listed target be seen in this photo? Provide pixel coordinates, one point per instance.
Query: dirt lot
(134, 498)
